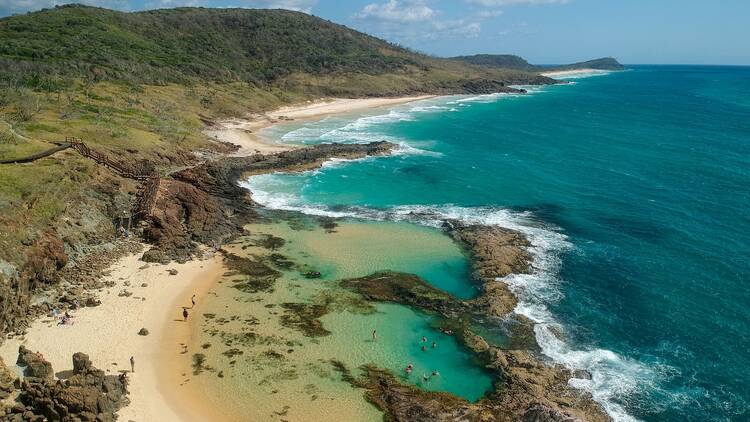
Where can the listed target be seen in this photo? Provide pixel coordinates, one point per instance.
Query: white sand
(109, 333)
(576, 72)
(245, 132)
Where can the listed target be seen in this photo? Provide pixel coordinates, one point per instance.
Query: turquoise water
(634, 188)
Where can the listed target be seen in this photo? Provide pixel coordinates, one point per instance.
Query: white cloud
(398, 11)
(496, 3)
(390, 19)
(485, 14)
(455, 28)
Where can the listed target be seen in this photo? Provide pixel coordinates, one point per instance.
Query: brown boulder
(34, 363)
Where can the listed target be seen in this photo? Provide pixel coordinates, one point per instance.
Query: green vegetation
(508, 61)
(141, 86)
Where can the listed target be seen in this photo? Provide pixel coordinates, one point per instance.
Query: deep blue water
(635, 189)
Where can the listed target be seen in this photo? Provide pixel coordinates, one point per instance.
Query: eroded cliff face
(44, 260)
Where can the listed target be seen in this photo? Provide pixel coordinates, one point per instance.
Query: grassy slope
(137, 85)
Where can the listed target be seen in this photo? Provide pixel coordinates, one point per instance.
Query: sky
(542, 31)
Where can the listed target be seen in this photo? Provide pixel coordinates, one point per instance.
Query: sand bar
(575, 72)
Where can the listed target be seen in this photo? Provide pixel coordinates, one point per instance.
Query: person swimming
(435, 373)
(424, 339)
(434, 344)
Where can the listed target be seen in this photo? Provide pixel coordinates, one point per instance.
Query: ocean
(634, 189)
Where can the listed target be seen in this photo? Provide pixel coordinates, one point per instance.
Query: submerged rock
(259, 276)
(304, 317)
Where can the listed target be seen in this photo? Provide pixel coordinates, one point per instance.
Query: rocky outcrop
(204, 204)
(219, 177)
(496, 252)
(526, 388)
(182, 217)
(87, 395)
(34, 364)
(408, 403)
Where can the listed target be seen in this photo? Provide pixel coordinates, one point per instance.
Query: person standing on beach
(374, 335)
(184, 314)
(192, 299)
(132, 364)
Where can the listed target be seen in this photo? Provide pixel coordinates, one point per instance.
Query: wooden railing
(123, 169)
(149, 178)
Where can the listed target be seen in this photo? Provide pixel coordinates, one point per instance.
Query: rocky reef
(496, 252)
(526, 387)
(83, 394)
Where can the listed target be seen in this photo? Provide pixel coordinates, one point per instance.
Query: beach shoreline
(142, 296)
(574, 72)
(245, 132)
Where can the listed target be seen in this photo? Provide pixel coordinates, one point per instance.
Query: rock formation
(86, 395)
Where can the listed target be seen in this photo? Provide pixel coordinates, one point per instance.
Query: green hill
(186, 45)
(508, 61)
(144, 85)
(605, 63)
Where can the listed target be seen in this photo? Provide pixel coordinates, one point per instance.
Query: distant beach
(244, 132)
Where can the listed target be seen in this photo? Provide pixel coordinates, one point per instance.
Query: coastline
(166, 391)
(108, 333)
(245, 132)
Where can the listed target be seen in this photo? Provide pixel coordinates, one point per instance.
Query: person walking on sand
(132, 364)
(192, 299)
(184, 314)
(374, 335)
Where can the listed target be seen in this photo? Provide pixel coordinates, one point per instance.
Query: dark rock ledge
(526, 387)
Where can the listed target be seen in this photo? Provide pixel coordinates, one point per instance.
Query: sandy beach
(108, 333)
(245, 132)
(568, 73)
